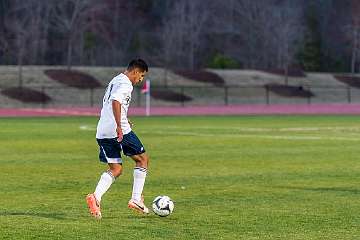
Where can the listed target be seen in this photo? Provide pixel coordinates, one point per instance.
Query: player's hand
(119, 134)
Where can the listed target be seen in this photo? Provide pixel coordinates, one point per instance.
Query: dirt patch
(26, 95)
(289, 91)
(168, 95)
(292, 72)
(349, 80)
(73, 78)
(202, 76)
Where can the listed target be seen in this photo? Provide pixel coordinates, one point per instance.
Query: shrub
(220, 61)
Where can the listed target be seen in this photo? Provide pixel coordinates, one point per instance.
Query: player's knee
(144, 160)
(116, 171)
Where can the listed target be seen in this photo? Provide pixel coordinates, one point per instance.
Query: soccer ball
(163, 206)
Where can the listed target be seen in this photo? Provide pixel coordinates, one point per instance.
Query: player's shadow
(325, 189)
(56, 216)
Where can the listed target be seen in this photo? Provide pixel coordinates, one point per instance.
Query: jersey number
(109, 94)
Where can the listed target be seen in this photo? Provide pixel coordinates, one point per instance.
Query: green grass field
(254, 177)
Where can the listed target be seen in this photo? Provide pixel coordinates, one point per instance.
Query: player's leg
(140, 172)
(107, 178)
(110, 154)
(133, 148)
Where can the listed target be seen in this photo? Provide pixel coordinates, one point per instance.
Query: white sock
(139, 181)
(104, 184)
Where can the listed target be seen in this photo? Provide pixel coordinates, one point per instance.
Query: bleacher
(240, 87)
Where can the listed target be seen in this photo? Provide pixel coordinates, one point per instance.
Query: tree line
(314, 35)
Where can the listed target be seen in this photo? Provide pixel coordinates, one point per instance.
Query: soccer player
(114, 135)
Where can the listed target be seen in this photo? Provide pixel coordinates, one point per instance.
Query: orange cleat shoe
(138, 206)
(93, 205)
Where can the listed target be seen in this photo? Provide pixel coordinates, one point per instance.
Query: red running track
(287, 109)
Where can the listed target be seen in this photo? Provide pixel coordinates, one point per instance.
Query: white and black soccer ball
(163, 206)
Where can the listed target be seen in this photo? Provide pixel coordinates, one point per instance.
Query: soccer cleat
(94, 206)
(138, 206)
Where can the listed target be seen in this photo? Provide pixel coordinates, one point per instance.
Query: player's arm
(116, 106)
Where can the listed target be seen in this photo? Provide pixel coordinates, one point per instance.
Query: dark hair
(138, 63)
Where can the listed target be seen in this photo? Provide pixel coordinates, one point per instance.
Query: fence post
(138, 97)
(267, 95)
(43, 97)
(226, 99)
(309, 97)
(91, 97)
(349, 94)
(182, 97)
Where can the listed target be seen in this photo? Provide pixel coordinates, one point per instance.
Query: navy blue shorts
(110, 149)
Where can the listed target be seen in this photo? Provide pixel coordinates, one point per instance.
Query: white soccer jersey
(119, 89)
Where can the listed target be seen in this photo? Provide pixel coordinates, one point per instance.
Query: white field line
(277, 137)
(87, 128)
(238, 135)
(252, 129)
(293, 129)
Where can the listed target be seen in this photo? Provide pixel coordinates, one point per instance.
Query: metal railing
(188, 96)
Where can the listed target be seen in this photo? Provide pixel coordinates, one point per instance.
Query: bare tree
(287, 33)
(257, 33)
(183, 31)
(72, 18)
(265, 32)
(246, 26)
(20, 26)
(123, 29)
(354, 30)
(20, 36)
(252, 25)
(39, 20)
